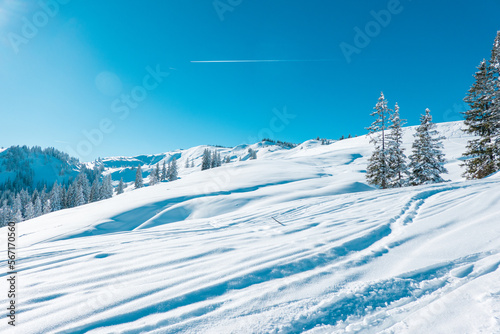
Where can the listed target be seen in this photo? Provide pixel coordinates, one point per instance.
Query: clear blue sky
(74, 71)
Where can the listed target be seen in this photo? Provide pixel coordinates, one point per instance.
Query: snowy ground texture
(204, 255)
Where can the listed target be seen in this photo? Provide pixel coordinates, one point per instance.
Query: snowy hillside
(31, 166)
(292, 242)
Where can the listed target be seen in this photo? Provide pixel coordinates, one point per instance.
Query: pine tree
(397, 170)
(494, 83)
(427, 158)
(47, 208)
(84, 184)
(186, 165)
(94, 195)
(78, 199)
(163, 176)
(157, 172)
(173, 175)
(29, 211)
(17, 209)
(479, 121)
(106, 190)
(213, 162)
(192, 163)
(37, 207)
(206, 160)
(55, 197)
(377, 169)
(483, 118)
(121, 186)
(153, 177)
(227, 159)
(138, 178)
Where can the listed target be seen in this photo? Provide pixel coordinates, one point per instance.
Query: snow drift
(205, 254)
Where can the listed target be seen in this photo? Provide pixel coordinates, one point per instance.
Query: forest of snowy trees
(388, 165)
(22, 199)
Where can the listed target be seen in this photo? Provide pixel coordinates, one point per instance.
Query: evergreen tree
(84, 184)
(139, 183)
(106, 190)
(94, 195)
(157, 172)
(37, 207)
(17, 209)
(227, 159)
(169, 170)
(47, 208)
(29, 212)
(427, 158)
(163, 176)
(64, 197)
(397, 170)
(192, 163)
(121, 186)
(206, 160)
(55, 197)
(213, 162)
(483, 118)
(78, 195)
(187, 163)
(377, 170)
(173, 170)
(153, 177)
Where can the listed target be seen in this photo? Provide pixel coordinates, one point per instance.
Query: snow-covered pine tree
(157, 172)
(480, 121)
(55, 197)
(152, 177)
(169, 170)
(173, 170)
(218, 161)
(64, 197)
(427, 158)
(186, 165)
(37, 207)
(79, 199)
(397, 171)
(494, 68)
(163, 175)
(227, 159)
(121, 186)
(206, 160)
(106, 190)
(84, 184)
(94, 195)
(139, 183)
(17, 209)
(376, 171)
(213, 162)
(29, 211)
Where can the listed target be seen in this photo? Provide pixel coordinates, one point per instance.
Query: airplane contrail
(260, 60)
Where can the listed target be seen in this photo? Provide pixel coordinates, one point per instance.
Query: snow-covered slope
(292, 242)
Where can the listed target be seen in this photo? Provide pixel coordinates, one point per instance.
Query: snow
(203, 254)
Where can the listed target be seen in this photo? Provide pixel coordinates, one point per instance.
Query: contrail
(260, 60)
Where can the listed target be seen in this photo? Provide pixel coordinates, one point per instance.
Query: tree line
(389, 167)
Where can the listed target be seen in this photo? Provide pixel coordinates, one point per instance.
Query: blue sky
(76, 75)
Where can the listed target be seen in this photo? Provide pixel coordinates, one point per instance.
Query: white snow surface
(203, 254)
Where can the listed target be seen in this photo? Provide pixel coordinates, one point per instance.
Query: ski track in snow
(174, 259)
